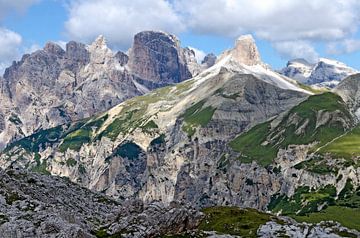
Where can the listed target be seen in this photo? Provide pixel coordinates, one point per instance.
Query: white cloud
(297, 49)
(32, 49)
(344, 47)
(7, 6)
(273, 20)
(199, 54)
(9, 47)
(119, 20)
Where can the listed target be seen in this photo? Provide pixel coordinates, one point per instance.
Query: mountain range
(325, 73)
(254, 151)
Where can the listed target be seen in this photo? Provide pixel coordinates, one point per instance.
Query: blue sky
(283, 29)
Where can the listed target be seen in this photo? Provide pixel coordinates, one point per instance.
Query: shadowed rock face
(158, 57)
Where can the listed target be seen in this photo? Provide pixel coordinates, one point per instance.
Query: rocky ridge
(53, 86)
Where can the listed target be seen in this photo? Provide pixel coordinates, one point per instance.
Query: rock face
(53, 86)
(349, 90)
(158, 57)
(326, 73)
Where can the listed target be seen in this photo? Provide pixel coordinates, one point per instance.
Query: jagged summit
(100, 42)
(245, 51)
(53, 48)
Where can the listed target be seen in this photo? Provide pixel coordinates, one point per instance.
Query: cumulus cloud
(119, 20)
(297, 49)
(7, 6)
(199, 54)
(344, 47)
(273, 19)
(10, 43)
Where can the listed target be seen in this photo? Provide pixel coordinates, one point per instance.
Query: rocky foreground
(33, 205)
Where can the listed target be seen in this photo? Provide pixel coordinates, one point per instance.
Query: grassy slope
(251, 144)
(348, 217)
(234, 221)
(196, 116)
(347, 146)
(303, 205)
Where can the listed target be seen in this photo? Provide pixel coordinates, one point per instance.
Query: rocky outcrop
(32, 205)
(158, 57)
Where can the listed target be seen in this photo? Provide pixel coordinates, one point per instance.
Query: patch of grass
(71, 162)
(262, 143)
(150, 126)
(234, 221)
(303, 206)
(189, 129)
(82, 135)
(348, 217)
(12, 197)
(75, 140)
(249, 144)
(40, 167)
(317, 165)
(347, 146)
(196, 115)
(311, 89)
(37, 141)
(304, 201)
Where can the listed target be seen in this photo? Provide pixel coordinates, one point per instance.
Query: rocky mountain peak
(246, 51)
(53, 48)
(100, 42)
(157, 57)
(99, 51)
